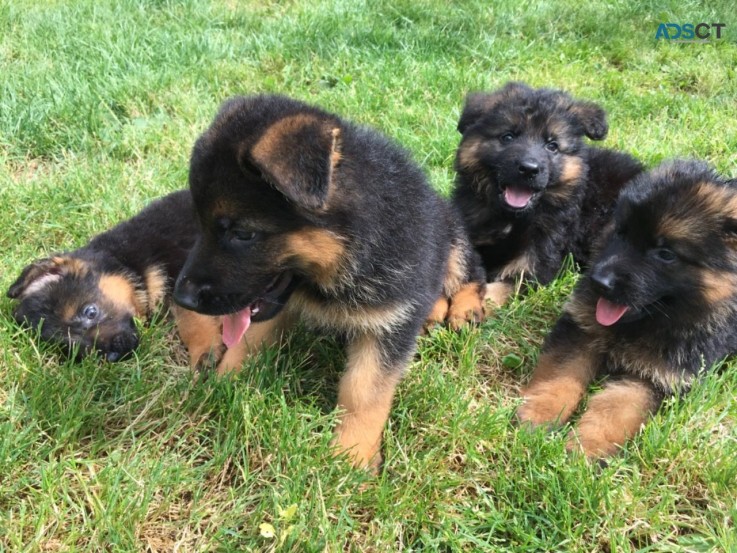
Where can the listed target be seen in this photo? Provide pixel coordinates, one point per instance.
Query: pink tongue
(517, 197)
(235, 326)
(608, 313)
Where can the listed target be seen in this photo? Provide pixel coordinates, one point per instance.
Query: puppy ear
(36, 276)
(298, 156)
(592, 119)
(730, 228)
(479, 104)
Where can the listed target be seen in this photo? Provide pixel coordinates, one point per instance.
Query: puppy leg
(613, 416)
(557, 386)
(567, 365)
(438, 314)
(464, 284)
(365, 396)
(498, 293)
(467, 305)
(202, 336)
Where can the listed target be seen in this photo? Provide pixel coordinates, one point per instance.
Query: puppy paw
(467, 305)
(208, 361)
(437, 315)
(539, 412)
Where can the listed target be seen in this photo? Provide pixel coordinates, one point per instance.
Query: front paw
(209, 360)
(467, 305)
(543, 411)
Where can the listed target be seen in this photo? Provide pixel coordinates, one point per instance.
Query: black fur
(659, 304)
(523, 141)
(275, 182)
(55, 293)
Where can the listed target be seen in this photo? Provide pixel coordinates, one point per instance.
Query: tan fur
(318, 252)
(259, 335)
(438, 313)
(557, 386)
(154, 279)
(121, 292)
(336, 155)
(468, 154)
(718, 285)
(270, 151)
(640, 359)
(202, 336)
(613, 416)
(466, 305)
(517, 267)
(69, 312)
(342, 317)
(498, 293)
(71, 265)
(572, 169)
(365, 396)
(272, 148)
(455, 272)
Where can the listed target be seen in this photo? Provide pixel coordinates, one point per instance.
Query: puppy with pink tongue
(657, 308)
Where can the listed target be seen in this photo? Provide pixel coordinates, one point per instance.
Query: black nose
(188, 294)
(529, 168)
(121, 346)
(604, 278)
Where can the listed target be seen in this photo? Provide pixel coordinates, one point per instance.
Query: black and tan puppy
(657, 307)
(529, 188)
(87, 300)
(304, 213)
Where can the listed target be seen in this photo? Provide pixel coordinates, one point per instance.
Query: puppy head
(73, 305)
(672, 252)
(263, 178)
(519, 143)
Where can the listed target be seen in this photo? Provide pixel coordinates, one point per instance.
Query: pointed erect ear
(298, 156)
(592, 119)
(36, 276)
(479, 104)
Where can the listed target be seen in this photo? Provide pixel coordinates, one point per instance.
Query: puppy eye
(90, 312)
(506, 138)
(552, 146)
(243, 235)
(665, 255)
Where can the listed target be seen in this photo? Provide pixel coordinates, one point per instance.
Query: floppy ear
(298, 155)
(36, 276)
(479, 104)
(592, 118)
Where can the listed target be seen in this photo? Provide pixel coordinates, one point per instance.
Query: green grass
(100, 103)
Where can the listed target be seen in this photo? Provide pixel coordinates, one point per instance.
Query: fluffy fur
(305, 214)
(656, 309)
(529, 188)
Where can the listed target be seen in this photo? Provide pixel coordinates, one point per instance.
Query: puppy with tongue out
(531, 190)
(657, 308)
(304, 215)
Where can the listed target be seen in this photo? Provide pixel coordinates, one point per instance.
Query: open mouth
(518, 197)
(236, 324)
(608, 312)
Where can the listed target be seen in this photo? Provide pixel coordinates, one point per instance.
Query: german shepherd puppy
(302, 210)
(657, 307)
(87, 300)
(529, 189)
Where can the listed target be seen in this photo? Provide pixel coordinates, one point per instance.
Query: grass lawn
(100, 103)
